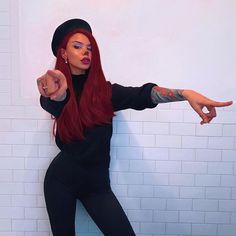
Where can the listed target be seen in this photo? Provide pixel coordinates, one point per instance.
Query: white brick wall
(172, 176)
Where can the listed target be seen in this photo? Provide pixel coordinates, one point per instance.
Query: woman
(83, 104)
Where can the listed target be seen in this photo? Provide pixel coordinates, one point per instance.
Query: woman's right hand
(53, 84)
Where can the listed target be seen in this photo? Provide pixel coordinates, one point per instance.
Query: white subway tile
(207, 180)
(166, 216)
(12, 112)
(208, 155)
(5, 225)
(171, 141)
(228, 180)
(5, 150)
(120, 190)
(4, 34)
(25, 176)
(166, 192)
(229, 130)
(33, 188)
(181, 179)
(130, 203)
(209, 130)
(5, 5)
(168, 166)
(5, 46)
(178, 228)
(48, 150)
(36, 112)
(191, 217)
(142, 166)
(227, 205)
(5, 99)
(140, 191)
(155, 179)
(169, 116)
(140, 215)
(147, 115)
(220, 168)
(194, 167)
(5, 125)
(205, 205)
(152, 228)
(194, 142)
(179, 204)
(120, 140)
(155, 153)
(11, 212)
(37, 138)
(37, 234)
(37, 163)
(119, 165)
(182, 129)
(24, 225)
(24, 201)
(153, 203)
(192, 192)
(155, 128)
(5, 18)
(12, 163)
(177, 154)
(11, 188)
(130, 178)
(35, 213)
(25, 150)
(5, 175)
(129, 127)
(45, 125)
(226, 117)
(24, 125)
(5, 69)
(204, 229)
(5, 200)
(221, 142)
(229, 155)
(129, 153)
(43, 225)
(226, 229)
(217, 217)
(142, 140)
(12, 138)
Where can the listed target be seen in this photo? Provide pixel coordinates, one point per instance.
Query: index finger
(220, 104)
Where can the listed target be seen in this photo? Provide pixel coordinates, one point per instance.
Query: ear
(63, 54)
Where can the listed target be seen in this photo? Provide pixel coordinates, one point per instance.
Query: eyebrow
(81, 43)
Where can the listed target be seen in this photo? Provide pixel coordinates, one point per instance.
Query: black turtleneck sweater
(94, 151)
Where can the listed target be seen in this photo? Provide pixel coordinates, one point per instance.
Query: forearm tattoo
(164, 95)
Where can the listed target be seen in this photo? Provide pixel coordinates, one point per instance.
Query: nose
(86, 52)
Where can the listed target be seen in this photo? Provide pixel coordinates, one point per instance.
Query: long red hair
(94, 106)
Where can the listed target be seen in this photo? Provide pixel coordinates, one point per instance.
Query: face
(78, 53)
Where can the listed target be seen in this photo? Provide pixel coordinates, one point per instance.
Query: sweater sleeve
(137, 98)
(53, 107)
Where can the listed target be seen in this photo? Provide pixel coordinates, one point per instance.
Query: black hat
(66, 27)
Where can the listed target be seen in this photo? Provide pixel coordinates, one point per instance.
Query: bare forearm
(164, 95)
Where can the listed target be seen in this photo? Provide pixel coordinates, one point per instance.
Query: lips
(85, 61)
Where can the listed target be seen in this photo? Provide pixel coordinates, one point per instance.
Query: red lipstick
(85, 61)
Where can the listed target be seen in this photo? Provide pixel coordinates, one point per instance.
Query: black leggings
(102, 206)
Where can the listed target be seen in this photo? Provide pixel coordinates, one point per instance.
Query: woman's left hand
(198, 102)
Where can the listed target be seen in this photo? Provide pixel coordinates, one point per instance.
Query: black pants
(102, 206)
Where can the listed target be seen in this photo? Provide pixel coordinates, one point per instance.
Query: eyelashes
(80, 45)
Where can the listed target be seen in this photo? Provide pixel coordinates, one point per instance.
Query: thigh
(61, 207)
(108, 214)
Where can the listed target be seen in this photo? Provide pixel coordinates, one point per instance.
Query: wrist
(61, 98)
